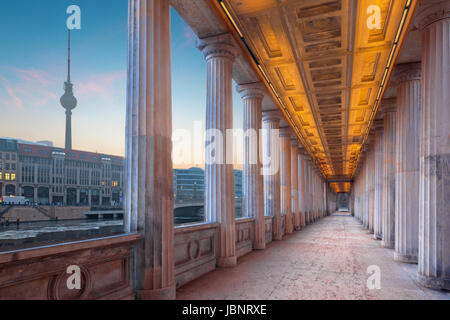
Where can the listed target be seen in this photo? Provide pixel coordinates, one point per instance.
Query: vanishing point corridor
(326, 260)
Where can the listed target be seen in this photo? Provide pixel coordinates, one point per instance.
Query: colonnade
(289, 188)
(407, 160)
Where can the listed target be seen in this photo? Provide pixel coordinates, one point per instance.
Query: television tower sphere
(68, 100)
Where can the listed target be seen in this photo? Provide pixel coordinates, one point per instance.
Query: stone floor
(327, 260)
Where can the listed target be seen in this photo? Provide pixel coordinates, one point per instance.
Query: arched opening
(28, 193)
(95, 197)
(43, 196)
(84, 197)
(71, 197)
(343, 202)
(10, 190)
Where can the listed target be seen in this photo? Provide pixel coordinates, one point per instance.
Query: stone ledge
(39, 252)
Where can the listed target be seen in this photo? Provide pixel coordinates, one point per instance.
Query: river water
(31, 234)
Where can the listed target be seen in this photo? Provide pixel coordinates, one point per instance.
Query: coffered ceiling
(326, 60)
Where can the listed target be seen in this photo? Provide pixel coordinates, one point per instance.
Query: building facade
(189, 184)
(53, 176)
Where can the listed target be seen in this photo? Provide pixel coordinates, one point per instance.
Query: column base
(377, 237)
(388, 244)
(433, 282)
(277, 237)
(259, 246)
(405, 258)
(226, 262)
(168, 293)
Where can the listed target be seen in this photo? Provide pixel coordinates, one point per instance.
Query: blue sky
(33, 55)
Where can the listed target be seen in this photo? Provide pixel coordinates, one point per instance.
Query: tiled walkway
(327, 260)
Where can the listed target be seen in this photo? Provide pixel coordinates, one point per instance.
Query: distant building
(189, 184)
(238, 184)
(49, 175)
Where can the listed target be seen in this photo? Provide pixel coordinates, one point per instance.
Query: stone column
(220, 52)
(305, 187)
(389, 146)
(285, 178)
(301, 186)
(434, 223)
(149, 192)
(378, 196)
(407, 79)
(294, 183)
(371, 182)
(252, 175)
(271, 150)
(307, 190)
(366, 190)
(310, 191)
(35, 195)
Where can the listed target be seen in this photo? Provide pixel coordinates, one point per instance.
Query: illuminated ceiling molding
(342, 77)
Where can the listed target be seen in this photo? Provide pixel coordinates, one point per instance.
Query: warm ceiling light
(231, 18)
(400, 28)
(263, 73)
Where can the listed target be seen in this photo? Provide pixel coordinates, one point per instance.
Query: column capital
(271, 116)
(301, 150)
(294, 141)
(223, 46)
(406, 72)
(378, 125)
(255, 90)
(429, 13)
(285, 132)
(388, 105)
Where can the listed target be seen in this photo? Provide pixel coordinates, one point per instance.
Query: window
(1, 176)
(37, 127)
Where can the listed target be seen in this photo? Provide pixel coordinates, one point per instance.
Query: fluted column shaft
(309, 186)
(220, 53)
(294, 184)
(285, 179)
(366, 191)
(378, 197)
(306, 188)
(434, 223)
(252, 175)
(371, 186)
(149, 176)
(301, 187)
(389, 146)
(271, 149)
(407, 78)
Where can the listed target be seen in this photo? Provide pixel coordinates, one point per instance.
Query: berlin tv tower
(68, 102)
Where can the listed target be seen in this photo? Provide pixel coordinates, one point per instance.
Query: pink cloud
(14, 100)
(26, 87)
(102, 86)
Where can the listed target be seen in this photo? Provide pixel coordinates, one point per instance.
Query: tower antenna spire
(68, 60)
(68, 101)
